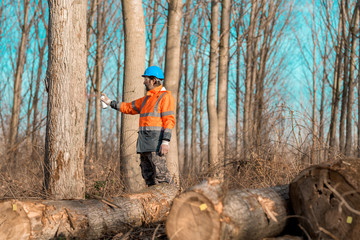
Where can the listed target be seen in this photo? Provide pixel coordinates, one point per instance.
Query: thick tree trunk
(208, 212)
(66, 77)
(172, 74)
(133, 88)
(327, 198)
(83, 219)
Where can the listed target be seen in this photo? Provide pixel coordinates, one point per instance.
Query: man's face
(149, 83)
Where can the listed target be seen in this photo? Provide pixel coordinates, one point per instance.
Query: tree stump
(208, 212)
(326, 199)
(84, 219)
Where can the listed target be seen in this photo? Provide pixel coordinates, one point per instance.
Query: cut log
(208, 212)
(84, 219)
(327, 200)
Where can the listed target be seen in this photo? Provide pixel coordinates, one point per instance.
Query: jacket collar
(156, 90)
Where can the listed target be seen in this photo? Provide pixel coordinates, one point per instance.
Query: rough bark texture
(133, 88)
(223, 76)
(208, 212)
(211, 91)
(327, 199)
(66, 77)
(172, 74)
(83, 219)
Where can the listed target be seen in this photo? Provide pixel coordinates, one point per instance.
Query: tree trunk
(250, 42)
(89, 30)
(346, 36)
(98, 78)
(327, 199)
(350, 102)
(84, 219)
(203, 163)
(336, 90)
(133, 88)
(211, 97)
(153, 33)
(172, 74)
(36, 117)
(223, 76)
(208, 211)
(20, 63)
(195, 165)
(185, 57)
(66, 76)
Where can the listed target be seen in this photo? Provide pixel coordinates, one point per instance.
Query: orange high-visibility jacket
(157, 118)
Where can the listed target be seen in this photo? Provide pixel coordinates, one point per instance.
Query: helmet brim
(152, 76)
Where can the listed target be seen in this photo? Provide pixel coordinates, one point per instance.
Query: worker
(156, 122)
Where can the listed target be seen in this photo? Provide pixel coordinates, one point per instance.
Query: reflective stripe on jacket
(157, 118)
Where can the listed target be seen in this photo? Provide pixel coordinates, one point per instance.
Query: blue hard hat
(154, 71)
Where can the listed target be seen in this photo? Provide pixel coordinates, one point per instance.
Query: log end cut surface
(14, 222)
(193, 216)
(327, 203)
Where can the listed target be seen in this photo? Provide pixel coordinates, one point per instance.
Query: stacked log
(207, 211)
(84, 219)
(326, 199)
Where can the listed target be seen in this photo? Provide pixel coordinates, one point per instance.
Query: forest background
(264, 89)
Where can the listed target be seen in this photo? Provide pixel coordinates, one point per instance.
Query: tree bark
(250, 43)
(20, 63)
(327, 199)
(66, 77)
(84, 219)
(349, 114)
(172, 74)
(211, 92)
(208, 211)
(195, 165)
(223, 76)
(98, 77)
(346, 36)
(133, 88)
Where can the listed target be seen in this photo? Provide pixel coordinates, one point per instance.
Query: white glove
(164, 148)
(105, 100)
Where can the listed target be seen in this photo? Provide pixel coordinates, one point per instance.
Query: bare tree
(41, 49)
(66, 79)
(211, 93)
(195, 165)
(89, 32)
(172, 73)
(134, 65)
(153, 33)
(353, 32)
(25, 26)
(223, 76)
(336, 83)
(346, 35)
(250, 46)
(99, 62)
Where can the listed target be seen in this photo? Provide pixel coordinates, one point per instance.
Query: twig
(156, 229)
(70, 219)
(111, 204)
(304, 230)
(343, 201)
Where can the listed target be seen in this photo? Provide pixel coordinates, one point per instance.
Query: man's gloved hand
(164, 148)
(105, 99)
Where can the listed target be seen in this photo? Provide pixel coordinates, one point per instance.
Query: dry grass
(103, 179)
